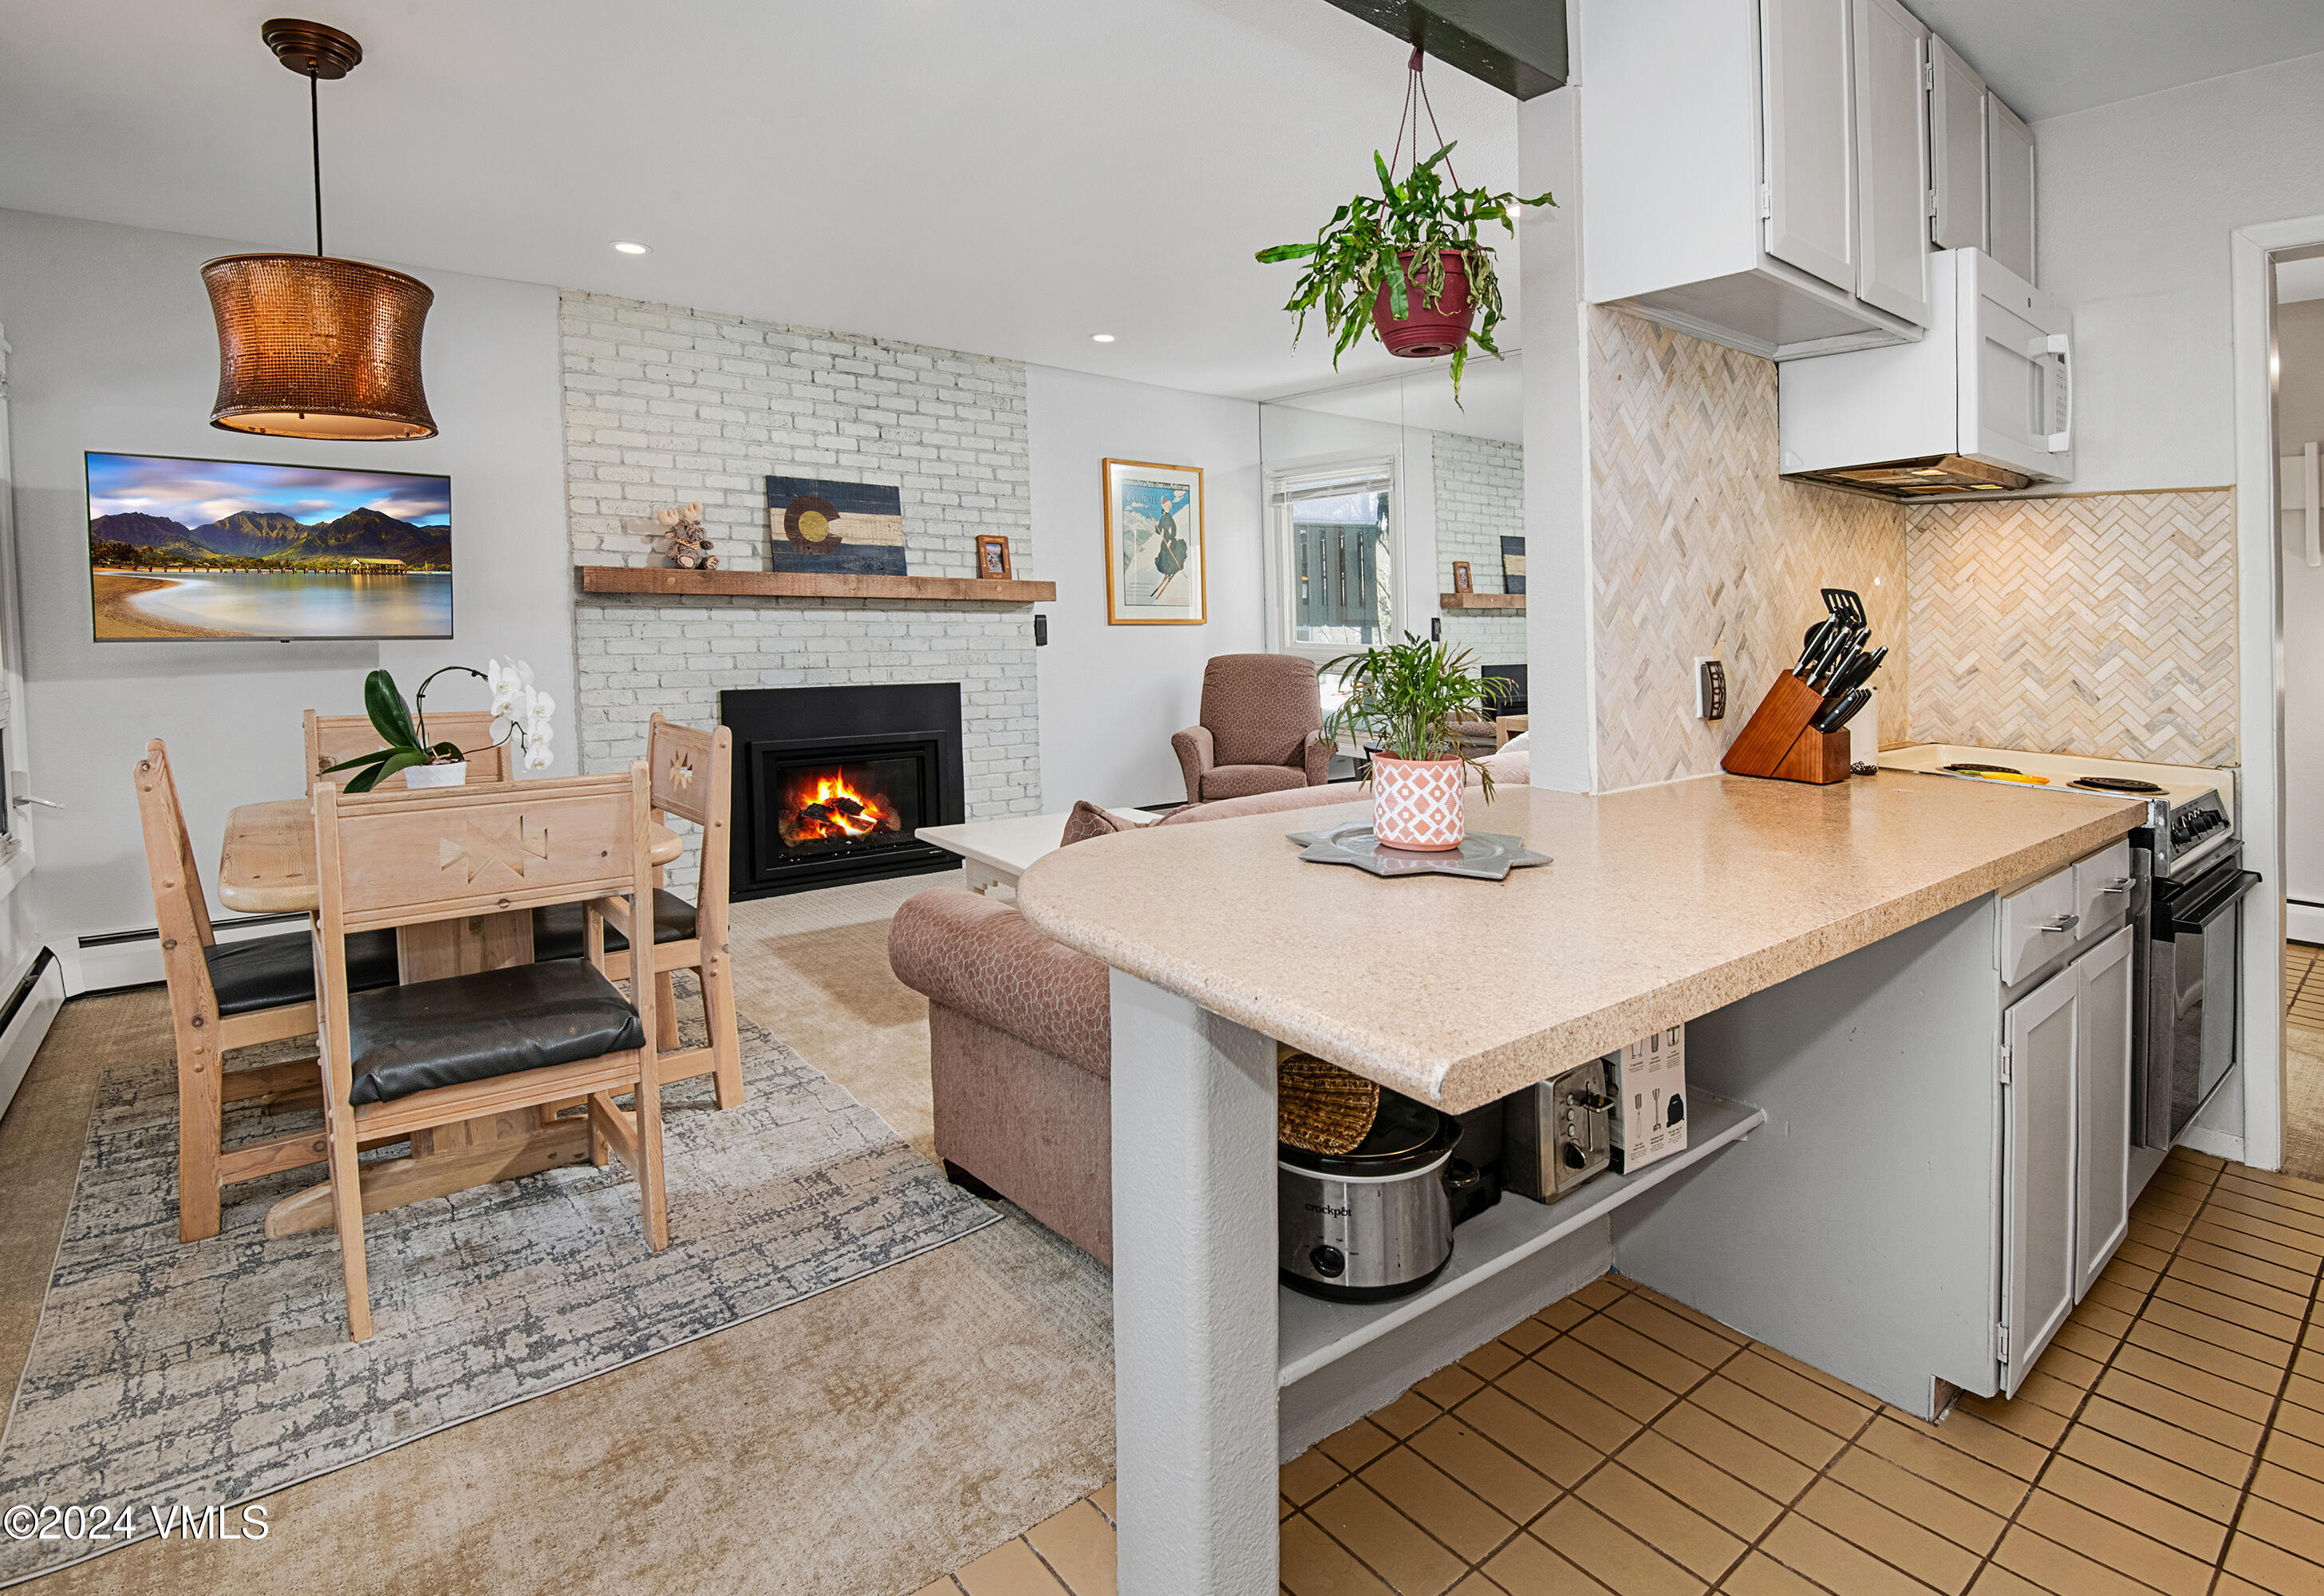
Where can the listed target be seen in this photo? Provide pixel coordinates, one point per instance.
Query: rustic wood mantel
(1482, 601)
(667, 581)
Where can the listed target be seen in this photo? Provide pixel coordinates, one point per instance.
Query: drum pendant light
(309, 346)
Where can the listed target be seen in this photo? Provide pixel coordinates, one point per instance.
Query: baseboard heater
(24, 1022)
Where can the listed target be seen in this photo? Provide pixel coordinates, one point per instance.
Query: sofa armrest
(1196, 750)
(982, 957)
(1315, 754)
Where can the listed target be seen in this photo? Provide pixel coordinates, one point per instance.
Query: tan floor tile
(2068, 1367)
(2289, 1451)
(2158, 1335)
(2223, 1463)
(1832, 1562)
(2280, 1526)
(1708, 1490)
(942, 1587)
(2110, 1322)
(2305, 1392)
(1102, 1498)
(2082, 1338)
(1594, 1372)
(2125, 1550)
(1616, 1559)
(1284, 1507)
(1477, 1584)
(1812, 1399)
(2055, 1568)
(1640, 1353)
(2256, 1292)
(1785, 1430)
(1078, 1546)
(1695, 1316)
(1450, 1386)
(1406, 1414)
(2271, 1567)
(2105, 1293)
(2228, 1262)
(2227, 1238)
(2277, 1484)
(2273, 1185)
(1574, 1408)
(1526, 1567)
(2121, 1271)
(2224, 1322)
(1315, 1565)
(1488, 1361)
(1670, 1527)
(2266, 1206)
(2020, 1416)
(2047, 1392)
(1602, 1293)
(2166, 1200)
(2229, 1585)
(1530, 1335)
(2291, 1419)
(1547, 1448)
(1566, 1312)
(1489, 1470)
(1308, 1476)
(2172, 1406)
(1356, 1445)
(2153, 1237)
(2176, 1526)
(1644, 1313)
(2137, 1252)
(1747, 1458)
(2157, 1476)
(2144, 1364)
(1965, 1432)
(1806, 1370)
(1435, 1501)
(1914, 1447)
(1761, 1575)
(1391, 1545)
(1957, 1518)
(1999, 1581)
(1010, 1570)
(1890, 1536)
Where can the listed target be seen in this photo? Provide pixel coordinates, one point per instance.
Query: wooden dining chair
(692, 771)
(332, 738)
(407, 1060)
(225, 995)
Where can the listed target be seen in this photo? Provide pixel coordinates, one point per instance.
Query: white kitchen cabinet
(1956, 150)
(2009, 189)
(2102, 1107)
(2037, 924)
(1892, 138)
(2041, 1058)
(1810, 153)
(2102, 886)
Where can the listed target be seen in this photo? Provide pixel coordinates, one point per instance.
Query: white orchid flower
(537, 709)
(507, 682)
(538, 757)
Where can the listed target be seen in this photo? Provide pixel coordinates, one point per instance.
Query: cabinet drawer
(2102, 884)
(2037, 925)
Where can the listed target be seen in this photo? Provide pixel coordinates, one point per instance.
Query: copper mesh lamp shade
(311, 346)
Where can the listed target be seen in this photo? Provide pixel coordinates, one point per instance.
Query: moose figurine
(689, 545)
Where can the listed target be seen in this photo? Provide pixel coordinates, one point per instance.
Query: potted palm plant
(1409, 263)
(1410, 699)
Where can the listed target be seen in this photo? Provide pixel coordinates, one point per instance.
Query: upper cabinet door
(1956, 150)
(1810, 154)
(2009, 189)
(1891, 160)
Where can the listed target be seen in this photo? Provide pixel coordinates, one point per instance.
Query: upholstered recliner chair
(1259, 730)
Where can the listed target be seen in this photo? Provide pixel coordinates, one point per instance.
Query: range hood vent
(1912, 479)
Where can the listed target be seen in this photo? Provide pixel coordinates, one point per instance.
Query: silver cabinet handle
(2121, 883)
(23, 799)
(2064, 922)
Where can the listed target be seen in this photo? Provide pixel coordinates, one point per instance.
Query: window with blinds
(1334, 548)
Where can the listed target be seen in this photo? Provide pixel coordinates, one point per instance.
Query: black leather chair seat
(269, 972)
(473, 1028)
(557, 930)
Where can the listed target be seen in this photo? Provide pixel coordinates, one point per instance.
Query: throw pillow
(1087, 821)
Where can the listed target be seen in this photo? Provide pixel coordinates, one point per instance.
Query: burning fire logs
(825, 808)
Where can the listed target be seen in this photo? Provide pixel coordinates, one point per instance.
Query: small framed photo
(1462, 581)
(992, 557)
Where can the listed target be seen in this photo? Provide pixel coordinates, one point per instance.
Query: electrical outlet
(1040, 631)
(1436, 629)
(1710, 689)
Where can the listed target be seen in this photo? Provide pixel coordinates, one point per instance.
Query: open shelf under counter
(1312, 1335)
(1482, 601)
(669, 581)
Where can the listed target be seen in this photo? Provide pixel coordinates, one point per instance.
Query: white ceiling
(2049, 58)
(1001, 179)
(1491, 403)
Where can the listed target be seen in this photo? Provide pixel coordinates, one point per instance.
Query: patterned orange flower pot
(1416, 803)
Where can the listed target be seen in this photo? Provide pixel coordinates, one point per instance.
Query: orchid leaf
(390, 716)
(372, 757)
(401, 758)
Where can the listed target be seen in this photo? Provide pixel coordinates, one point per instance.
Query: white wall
(1111, 696)
(2137, 200)
(114, 350)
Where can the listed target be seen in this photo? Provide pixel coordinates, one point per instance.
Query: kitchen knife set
(1837, 660)
(1796, 732)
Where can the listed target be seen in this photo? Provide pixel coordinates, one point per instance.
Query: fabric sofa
(1020, 1040)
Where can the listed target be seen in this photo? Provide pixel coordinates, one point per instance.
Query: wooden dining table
(267, 866)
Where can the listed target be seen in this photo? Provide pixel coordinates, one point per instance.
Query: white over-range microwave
(1983, 405)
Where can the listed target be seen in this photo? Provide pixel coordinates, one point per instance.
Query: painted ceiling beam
(1517, 46)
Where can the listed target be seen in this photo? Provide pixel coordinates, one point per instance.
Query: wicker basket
(1320, 1107)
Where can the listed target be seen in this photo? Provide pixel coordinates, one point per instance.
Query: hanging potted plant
(1407, 262)
(446, 764)
(1409, 698)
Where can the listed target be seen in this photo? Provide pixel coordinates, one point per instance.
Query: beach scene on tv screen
(220, 548)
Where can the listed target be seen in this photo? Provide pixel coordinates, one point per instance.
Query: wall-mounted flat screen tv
(182, 548)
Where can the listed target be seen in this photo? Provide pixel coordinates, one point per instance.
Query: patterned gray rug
(188, 1378)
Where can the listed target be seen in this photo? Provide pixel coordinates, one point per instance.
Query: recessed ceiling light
(1101, 337)
(628, 246)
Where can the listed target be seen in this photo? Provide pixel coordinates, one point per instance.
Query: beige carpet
(859, 1443)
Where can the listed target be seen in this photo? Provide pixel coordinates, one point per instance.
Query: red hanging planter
(1427, 332)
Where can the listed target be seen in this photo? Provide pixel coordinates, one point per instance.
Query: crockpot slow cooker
(1373, 1223)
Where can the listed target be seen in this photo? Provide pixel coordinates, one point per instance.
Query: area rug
(206, 1374)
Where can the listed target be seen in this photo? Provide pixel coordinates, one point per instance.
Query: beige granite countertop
(1664, 903)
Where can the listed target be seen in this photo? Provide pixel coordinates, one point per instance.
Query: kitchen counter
(1663, 904)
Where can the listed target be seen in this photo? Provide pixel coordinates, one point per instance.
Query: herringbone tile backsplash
(1699, 548)
(2101, 624)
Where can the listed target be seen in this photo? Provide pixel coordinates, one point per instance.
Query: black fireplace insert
(833, 784)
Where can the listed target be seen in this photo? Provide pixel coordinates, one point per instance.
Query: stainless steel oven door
(2193, 989)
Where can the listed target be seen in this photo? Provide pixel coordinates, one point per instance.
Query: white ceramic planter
(455, 774)
(1416, 803)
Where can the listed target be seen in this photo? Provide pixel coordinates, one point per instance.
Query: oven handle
(2200, 911)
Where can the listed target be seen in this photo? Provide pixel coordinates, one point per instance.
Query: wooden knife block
(1777, 741)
